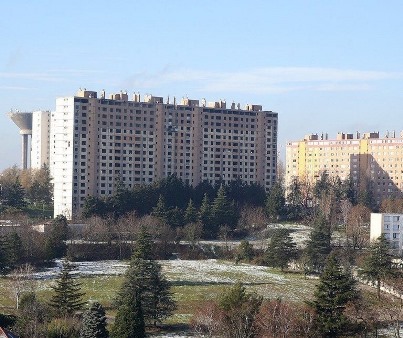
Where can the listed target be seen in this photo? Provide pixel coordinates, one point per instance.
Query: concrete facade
(390, 226)
(40, 139)
(96, 140)
(371, 161)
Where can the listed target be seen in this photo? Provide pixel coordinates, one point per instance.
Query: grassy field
(193, 282)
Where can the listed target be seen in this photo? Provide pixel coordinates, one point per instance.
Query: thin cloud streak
(266, 80)
(53, 75)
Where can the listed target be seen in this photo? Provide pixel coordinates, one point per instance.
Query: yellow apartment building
(364, 158)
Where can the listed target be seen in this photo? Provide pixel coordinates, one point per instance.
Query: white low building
(390, 226)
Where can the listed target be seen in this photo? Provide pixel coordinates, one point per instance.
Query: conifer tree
(55, 246)
(223, 212)
(144, 277)
(378, 263)
(319, 245)
(190, 213)
(275, 201)
(240, 309)
(94, 322)
(144, 246)
(281, 250)
(67, 297)
(161, 210)
(3, 254)
(13, 194)
(334, 291)
(129, 320)
(205, 214)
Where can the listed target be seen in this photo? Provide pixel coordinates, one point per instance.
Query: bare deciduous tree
(20, 282)
(357, 227)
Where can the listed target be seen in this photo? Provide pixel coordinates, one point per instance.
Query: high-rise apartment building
(40, 139)
(94, 141)
(369, 160)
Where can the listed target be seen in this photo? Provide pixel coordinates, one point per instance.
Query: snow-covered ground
(210, 270)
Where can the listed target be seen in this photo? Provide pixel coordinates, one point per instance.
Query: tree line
(21, 188)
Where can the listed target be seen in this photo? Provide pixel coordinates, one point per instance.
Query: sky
(323, 66)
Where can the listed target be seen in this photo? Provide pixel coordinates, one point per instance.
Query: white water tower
(24, 122)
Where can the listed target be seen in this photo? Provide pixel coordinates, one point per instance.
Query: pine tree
(15, 248)
(160, 210)
(190, 213)
(275, 201)
(334, 291)
(378, 263)
(245, 251)
(10, 251)
(144, 277)
(55, 246)
(129, 320)
(94, 322)
(144, 246)
(3, 254)
(240, 309)
(205, 215)
(14, 194)
(281, 250)
(67, 298)
(319, 245)
(223, 212)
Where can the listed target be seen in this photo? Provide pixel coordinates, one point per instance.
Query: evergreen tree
(295, 199)
(129, 320)
(160, 210)
(13, 194)
(275, 202)
(205, 215)
(55, 246)
(222, 212)
(377, 264)
(94, 322)
(349, 191)
(67, 298)
(240, 310)
(334, 291)
(245, 251)
(144, 277)
(15, 248)
(323, 185)
(11, 251)
(281, 250)
(3, 254)
(319, 245)
(174, 217)
(144, 246)
(190, 213)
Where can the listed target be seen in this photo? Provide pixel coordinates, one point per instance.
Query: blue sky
(324, 66)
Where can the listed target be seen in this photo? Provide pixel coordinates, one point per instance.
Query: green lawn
(193, 282)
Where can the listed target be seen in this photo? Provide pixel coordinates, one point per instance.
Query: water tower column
(24, 151)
